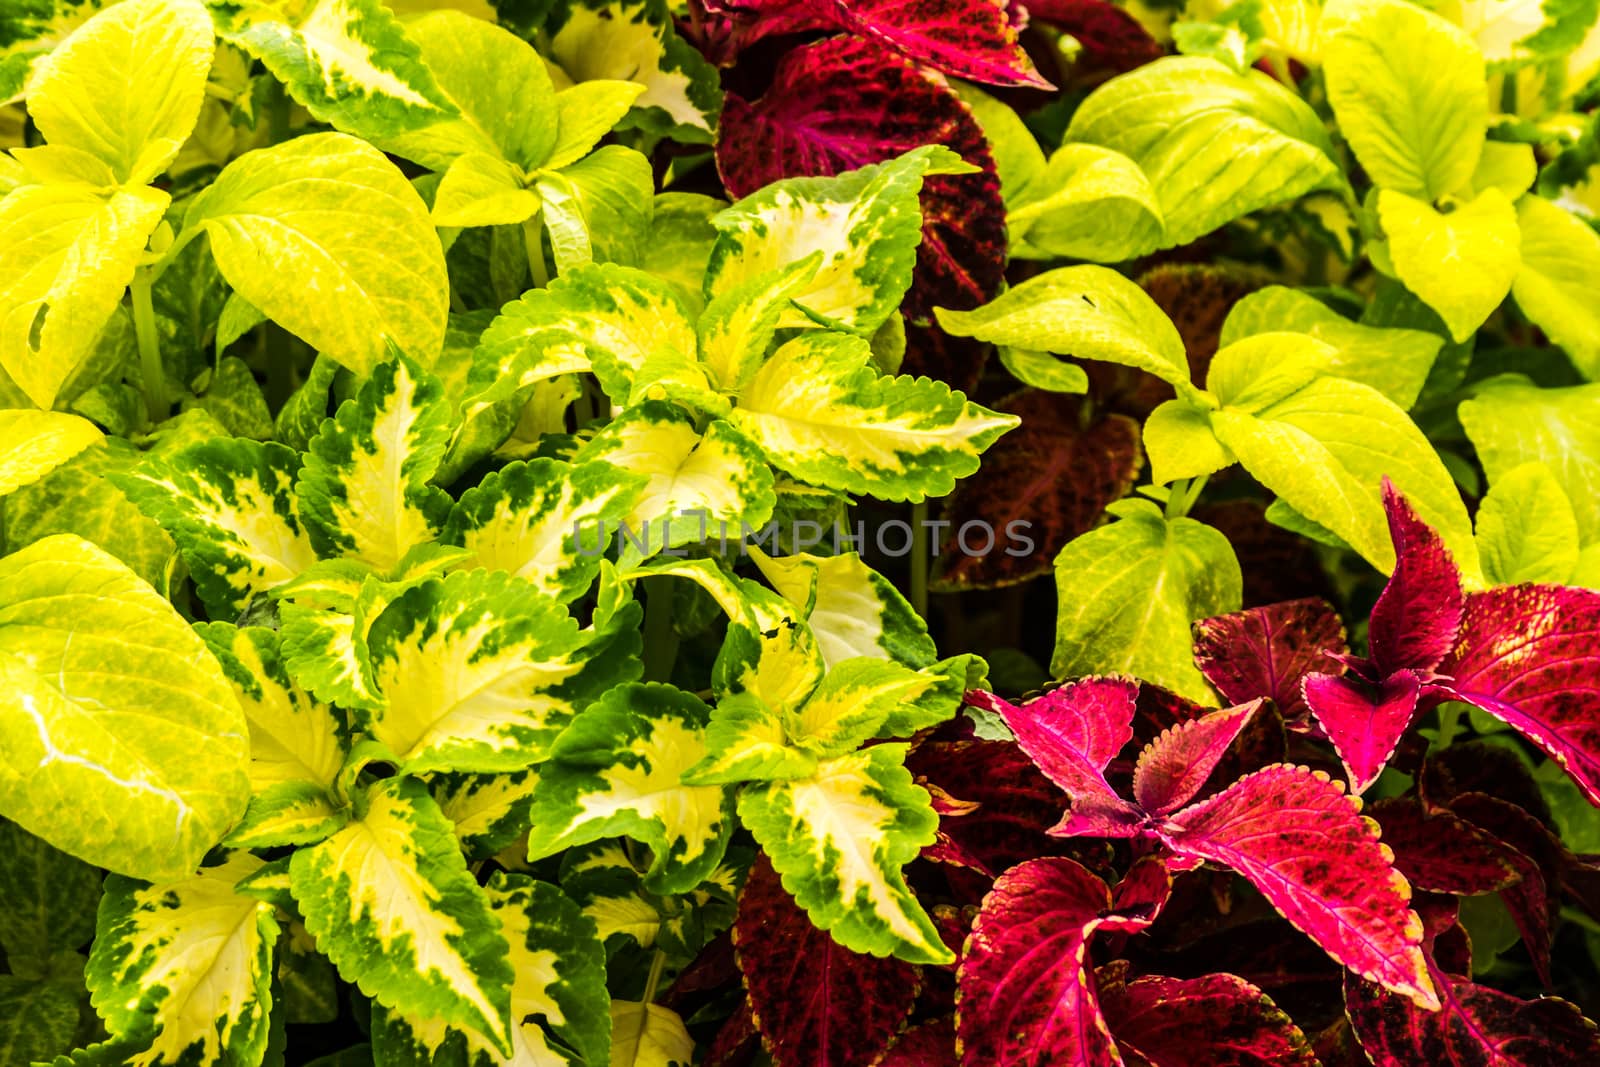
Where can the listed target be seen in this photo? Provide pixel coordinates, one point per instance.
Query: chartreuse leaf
(1560, 256)
(736, 328)
(544, 521)
(599, 206)
(1129, 593)
(390, 900)
(1410, 92)
(821, 412)
(840, 838)
(1461, 264)
(229, 506)
(348, 62)
(866, 225)
(470, 668)
(324, 618)
(585, 113)
(851, 608)
(38, 1020)
(126, 87)
(648, 1035)
(124, 746)
(617, 770)
(311, 206)
(30, 34)
(482, 190)
(851, 704)
(558, 994)
(363, 491)
(34, 443)
(297, 745)
(1526, 529)
(1089, 203)
(184, 967)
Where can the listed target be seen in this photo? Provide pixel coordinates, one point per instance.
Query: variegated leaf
(34, 443)
(851, 608)
(609, 886)
(736, 328)
(229, 506)
(31, 33)
(325, 636)
(184, 968)
(840, 839)
(489, 811)
(746, 741)
(390, 899)
(851, 704)
(821, 412)
(618, 770)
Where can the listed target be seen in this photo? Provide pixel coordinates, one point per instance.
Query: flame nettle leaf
(1145, 889)
(933, 1044)
(1266, 651)
(1016, 804)
(1217, 1020)
(1539, 857)
(816, 1003)
(1113, 41)
(1261, 741)
(1443, 852)
(1414, 622)
(1303, 843)
(1365, 722)
(1176, 764)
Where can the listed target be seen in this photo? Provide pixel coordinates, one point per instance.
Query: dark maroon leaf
(1267, 651)
(1016, 804)
(1144, 891)
(1539, 856)
(1178, 762)
(1052, 477)
(1444, 939)
(1442, 852)
(1481, 767)
(932, 1044)
(1277, 565)
(1414, 623)
(1363, 720)
(956, 361)
(1218, 1020)
(1113, 40)
(816, 1003)
(737, 1041)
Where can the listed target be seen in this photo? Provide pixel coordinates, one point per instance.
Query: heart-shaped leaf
(1365, 721)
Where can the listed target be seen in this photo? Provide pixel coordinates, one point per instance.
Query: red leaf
(842, 103)
(816, 1003)
(1442, 852)
(1053, 473)
(1026, 995)
(1481, 767)
(956, 361)
(1538, 855)
(737, 1041)
(1260, 742)
(1144, 891)
(1530, 655)
(1215, 1021)
(1414, 623)
(1267, 651)
(1301, 841)
(933, 1044)
(1016, 803)
(1112, 39)
(1176, 764)
(1365, 722)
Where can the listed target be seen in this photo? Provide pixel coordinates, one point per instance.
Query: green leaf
(603, 879)
(34, 443)
(1325, 451)
(1018, 159)
(1255, 372)
(821, 413)
(648, 1035)
(1129, 592)
(50, 900)
(617, 771)
(126, 87)
(1088, 312)
(608, 196)
(1511, 421)
(310, 207)
(364, 489)
(840, 838)
(851, 608)
(1409, 90)
(186, 965)
(1510, 168)
(851, 704)
(232, 397)
(1526, 530)
(1554, 287)
(128, 748)
(1043, 371)
(680, 242)
(482, 190)
(38, 1020)
(866, 224)
(746, 741)
(348, 62)
(390, 900)
(1461, 264)
(1090, 203)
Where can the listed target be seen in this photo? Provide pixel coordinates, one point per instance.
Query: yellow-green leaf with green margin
(840, 838)
(127, 86)
(356, 263)
(736, 328)
(67, 253)
(1129, 592)
(390, 900)
(821, 412)
(124, 745)
(1555, 286)
(470, 668)
(851, 608)
(30, 36)
(34, 443)
(852, 702)
(1460, 264)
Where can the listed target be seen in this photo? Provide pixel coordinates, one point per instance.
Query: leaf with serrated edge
(1267, 651)
(489, 811)
(1216, 1020)
(851, 608)
(1174, 766)
(34, 443)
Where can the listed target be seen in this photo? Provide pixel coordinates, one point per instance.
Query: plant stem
(658, 963)
(1183, 495)
(660, 638)
(585, 403)
(533, 239)
(144, 328)
(919, 558)
(1449, 721)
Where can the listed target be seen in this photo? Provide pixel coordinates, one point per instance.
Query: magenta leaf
(1413, 625)
(1300, 840)
(1176, 764)
(1217, 1020)
(1259, 743)
(1026, 996)
(1072, 732)
(1266, 651)
(1143, 892)
(816, 1003)
(843, 102)
(1442, 852)
(1363, 720)
(1530, 655)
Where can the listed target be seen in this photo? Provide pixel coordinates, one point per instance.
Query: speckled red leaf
(1364, 721)
(1143, 892)
(1267, 651)
(1176, 764)
(843, 102)
(816, 1003)
(1053, 473)
(931, 1044)
(1442, 852)
(1414, 623)
(1481, 766)
(1300, 840)
(1530, 655)
(1539, 857)
(1016, 804)
(1259, 743)
(1217, 1020)
(1027, 996)
(1112, 39)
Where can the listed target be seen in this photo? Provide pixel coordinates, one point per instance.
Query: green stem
(144, 328)
(919, 558)
(660, 638)
(1449, 722)
(658, 963)
(533, 239)
(1183, 495)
